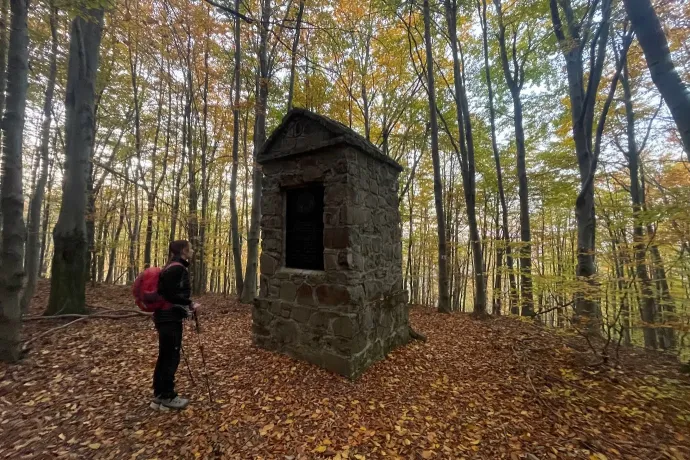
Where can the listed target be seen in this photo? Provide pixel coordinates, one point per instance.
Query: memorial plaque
(304, 228)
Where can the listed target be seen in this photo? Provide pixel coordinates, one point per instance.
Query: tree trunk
(443, 294)
(45, 241)
(90, 216)
(455, 293)
(466, 142)
(113, 247)
(154, 185)
(262, 81)
(234, 220)
(94, 248)
(4, 8)
(217, 254)
(226, 272)
(408, 265)
(667, 335)
(176, 193)
(504, 233)
(200, 272)
(35, 166)
(33, 242)
(466, 276)
(148, 241)
(207, 154)
(244, 223)
(68, 280)
(620, 261)
(664, 300)
(13, 230)
(293, 59)
(652, 39)
(366, 104)
(526, 295)
(193, 201)
(582, 106)
(484, 233)
(448, 214)
(100, 266)
(515, 79)
(648, 307)
(99, 242)
(134, 230)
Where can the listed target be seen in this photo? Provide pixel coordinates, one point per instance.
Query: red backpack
(145, 289)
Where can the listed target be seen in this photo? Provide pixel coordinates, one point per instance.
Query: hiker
(174, 287)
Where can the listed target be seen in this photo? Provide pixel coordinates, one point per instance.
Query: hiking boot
(175, 403)
(155, 403)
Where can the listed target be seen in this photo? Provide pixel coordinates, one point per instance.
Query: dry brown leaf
(464, 393)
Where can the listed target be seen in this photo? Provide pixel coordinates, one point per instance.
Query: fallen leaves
(266, 429)
(84, 392)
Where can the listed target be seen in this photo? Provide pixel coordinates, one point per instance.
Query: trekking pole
(203, 357)
(186, 362)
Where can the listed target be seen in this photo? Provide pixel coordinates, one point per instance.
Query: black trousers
(169, 346)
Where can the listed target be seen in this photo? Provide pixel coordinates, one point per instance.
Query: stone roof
(340, 134)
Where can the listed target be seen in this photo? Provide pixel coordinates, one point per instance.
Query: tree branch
(232, 12)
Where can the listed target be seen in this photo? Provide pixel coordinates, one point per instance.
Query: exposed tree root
(417, 335)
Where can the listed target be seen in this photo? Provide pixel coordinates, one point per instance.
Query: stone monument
(331, 263)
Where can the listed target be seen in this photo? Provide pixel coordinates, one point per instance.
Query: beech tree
(234, 220)
(33, 242)
(514, 75)
(653, 41)
(503, 232)
(13, 231)
(293, 56)
(574, 41)
(467, 159)
(260, 112)
(443, 296)
(69, 268)
(4, 10)
(266, 56)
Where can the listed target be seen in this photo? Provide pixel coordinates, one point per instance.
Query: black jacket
(174, 286)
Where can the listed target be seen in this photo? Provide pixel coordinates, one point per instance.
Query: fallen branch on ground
(538, 396)
(112, 314)
(43, 334)
(129, 314)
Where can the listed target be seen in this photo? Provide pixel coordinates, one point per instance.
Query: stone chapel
(331, 285)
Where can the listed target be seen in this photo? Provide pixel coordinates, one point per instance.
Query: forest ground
(501, 388)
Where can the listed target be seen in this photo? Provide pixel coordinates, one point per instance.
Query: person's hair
(176, 247)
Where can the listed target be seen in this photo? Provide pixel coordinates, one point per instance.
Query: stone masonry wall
(377, 251)
(354, 312)
(311, 315)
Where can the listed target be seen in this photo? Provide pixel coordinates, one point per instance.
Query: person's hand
(196, 307)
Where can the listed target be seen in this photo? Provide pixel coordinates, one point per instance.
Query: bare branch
(231, 12)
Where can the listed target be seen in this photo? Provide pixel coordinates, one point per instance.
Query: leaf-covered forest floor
(501, 388)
